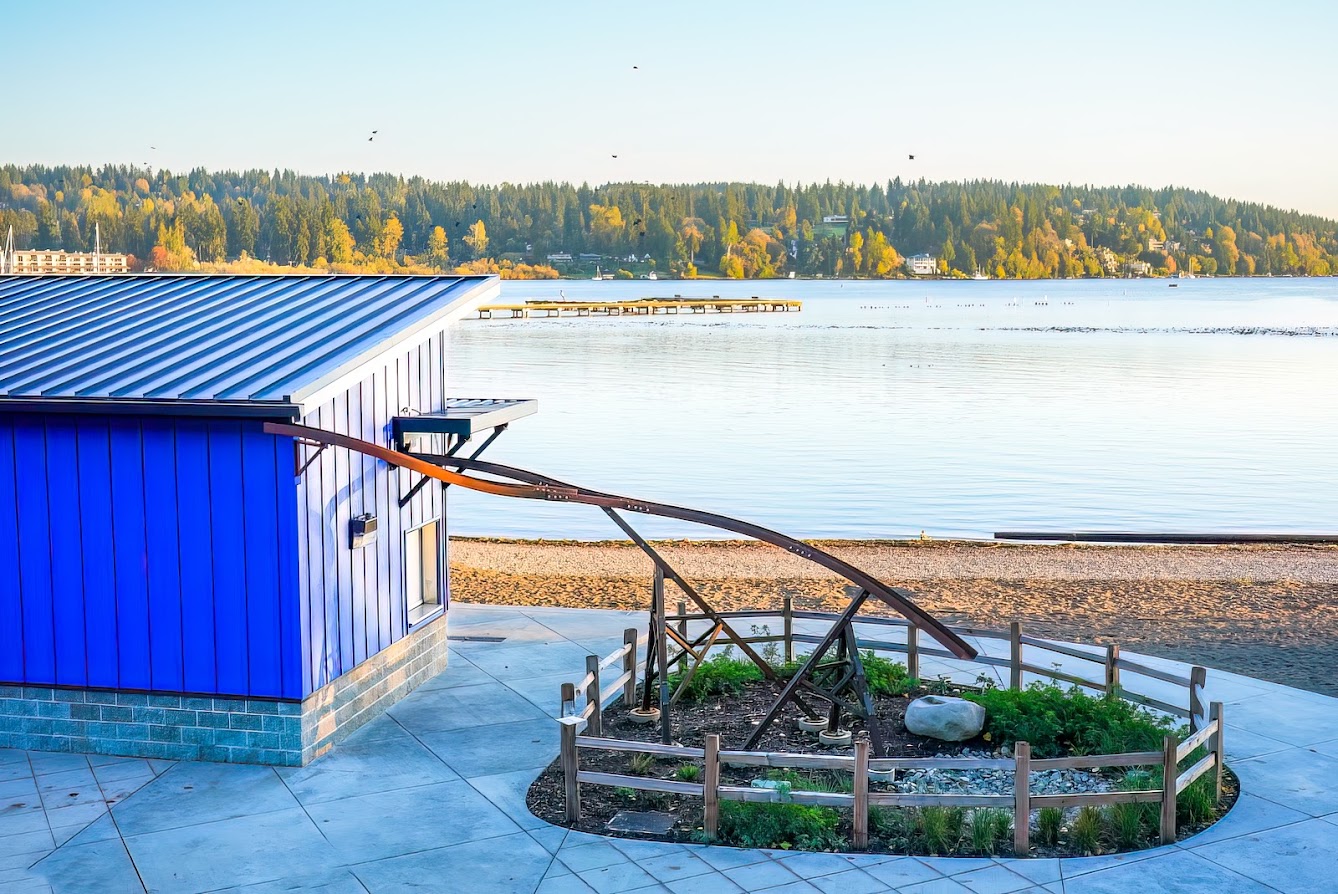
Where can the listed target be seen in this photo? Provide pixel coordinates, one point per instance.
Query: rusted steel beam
(894, 597)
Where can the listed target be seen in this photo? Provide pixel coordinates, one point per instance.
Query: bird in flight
(911, 157)
(369, 139)
(634, 68)
(615, 156)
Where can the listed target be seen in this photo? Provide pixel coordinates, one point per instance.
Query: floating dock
(639, 307)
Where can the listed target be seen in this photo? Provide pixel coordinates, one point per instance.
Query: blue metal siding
(155, 553)
(353, 600)
(11, 610)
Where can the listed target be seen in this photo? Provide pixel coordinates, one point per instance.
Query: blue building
(176, 582)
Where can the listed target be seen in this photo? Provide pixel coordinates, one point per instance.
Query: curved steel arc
(538, 487)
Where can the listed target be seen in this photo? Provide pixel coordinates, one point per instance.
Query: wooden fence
(1021, 803)
(1108, 670)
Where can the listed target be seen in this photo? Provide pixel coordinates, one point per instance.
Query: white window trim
(440, 606)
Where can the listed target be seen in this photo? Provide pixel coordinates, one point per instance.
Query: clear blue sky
(1234, 98)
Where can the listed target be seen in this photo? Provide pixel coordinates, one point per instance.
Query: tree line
(384, 223)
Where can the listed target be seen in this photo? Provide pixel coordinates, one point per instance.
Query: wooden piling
(711, 786)
(571, 787)
(1015, 655)
(1021, 799)
(629, 668)
(860, 822)
(1170, 770)
(592, 696)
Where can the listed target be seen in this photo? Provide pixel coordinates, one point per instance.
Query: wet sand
(1268, 611)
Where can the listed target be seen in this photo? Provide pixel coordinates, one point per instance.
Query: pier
(639, 307)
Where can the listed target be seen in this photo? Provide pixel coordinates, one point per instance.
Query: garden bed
(729, 697)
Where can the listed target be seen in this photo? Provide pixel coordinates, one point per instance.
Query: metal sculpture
(528, 485)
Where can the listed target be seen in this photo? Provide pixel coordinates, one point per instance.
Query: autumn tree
(477, 239)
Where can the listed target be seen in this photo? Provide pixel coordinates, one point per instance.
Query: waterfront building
(922, 265)
(836, 219)
(47, 262)
(179, 580)
(560, 257)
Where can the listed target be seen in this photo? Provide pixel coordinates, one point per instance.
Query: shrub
(640, 763)
(1003, 826)
(1085, 833)
(717, 677)
(896, 827)
(886, 677)
(784, 826)
(1048, 823)
(1056, 721)
(688, 772)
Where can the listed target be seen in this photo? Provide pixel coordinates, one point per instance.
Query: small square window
(422, 571)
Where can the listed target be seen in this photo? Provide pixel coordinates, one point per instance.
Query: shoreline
(1265, 610)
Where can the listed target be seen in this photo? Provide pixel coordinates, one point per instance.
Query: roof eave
(103, 406)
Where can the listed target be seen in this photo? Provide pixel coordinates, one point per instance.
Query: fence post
(629, 667)
(787, 614)
(1021, 799)
(913, 651)
(1198, 677)
(592, 695)
(1112, 668)
(1015, 655)
(661, 651)
(571, 787)
(567, 700)
(1215, 746)
(682, 622)
(861, 819)
(1170, 770)
(711, 786)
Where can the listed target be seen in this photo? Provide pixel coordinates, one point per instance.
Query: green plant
(1003, 825)
(1067, 721)
(940, 829)
(1196, 803)
(1085, 833)
(640, 763)
(983, 839)
(885, 676)
(1048, 823)
(688, 772)
(624, 794)
(718, 677)
(896, 827)
(785, 826)
(770, 651)
(1126, 824)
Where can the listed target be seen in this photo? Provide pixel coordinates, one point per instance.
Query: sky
(1232, 98)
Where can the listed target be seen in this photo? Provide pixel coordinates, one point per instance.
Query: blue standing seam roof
(204, 338)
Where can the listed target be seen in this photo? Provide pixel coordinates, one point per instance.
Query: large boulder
(944, 717)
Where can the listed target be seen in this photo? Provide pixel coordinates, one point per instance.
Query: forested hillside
(384, 222)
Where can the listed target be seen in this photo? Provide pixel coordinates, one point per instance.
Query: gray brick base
(235, 730)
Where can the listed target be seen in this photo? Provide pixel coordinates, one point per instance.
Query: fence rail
(1022, 802)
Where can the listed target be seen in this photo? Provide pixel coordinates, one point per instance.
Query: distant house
(836, 219)
(587, 257)
(1109, 262)
(922, 265)
(560, 257)
(1155, 244)
(1137, 268)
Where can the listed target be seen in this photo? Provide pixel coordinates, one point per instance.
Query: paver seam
(119, 837)
(311, 819)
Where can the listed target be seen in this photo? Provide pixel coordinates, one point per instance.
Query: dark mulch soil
(734, 718)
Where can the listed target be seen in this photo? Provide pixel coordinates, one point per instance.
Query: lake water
(884, 409)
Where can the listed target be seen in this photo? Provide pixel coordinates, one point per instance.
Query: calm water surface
(959, 409)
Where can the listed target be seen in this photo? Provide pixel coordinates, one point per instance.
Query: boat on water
(979, 275)
(598, 276)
